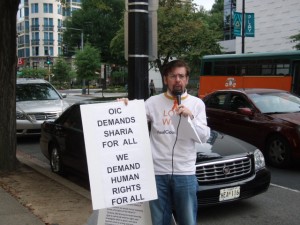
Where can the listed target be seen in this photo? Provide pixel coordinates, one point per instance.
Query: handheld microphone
(178, 96)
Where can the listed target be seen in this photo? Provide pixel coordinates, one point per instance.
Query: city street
(279, 205)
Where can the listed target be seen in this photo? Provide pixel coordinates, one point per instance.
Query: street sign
(237, 24)
(249, 25)
(21, 61)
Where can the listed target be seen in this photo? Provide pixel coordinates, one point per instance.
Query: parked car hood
(289, 117)
(221, 145)
(42, 106)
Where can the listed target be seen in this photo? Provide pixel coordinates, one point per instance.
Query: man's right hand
(125, 100)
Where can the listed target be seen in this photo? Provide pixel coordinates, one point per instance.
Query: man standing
(174, 158)
(152, 88)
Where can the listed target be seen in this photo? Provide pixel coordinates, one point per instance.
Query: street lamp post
(81, 35)
(243, 26)
(138, 52)
(81, 49)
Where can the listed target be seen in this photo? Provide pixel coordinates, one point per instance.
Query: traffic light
(65, 49)
(48, 60)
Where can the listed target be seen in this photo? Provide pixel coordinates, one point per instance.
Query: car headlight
(259, 159)
(20, 115)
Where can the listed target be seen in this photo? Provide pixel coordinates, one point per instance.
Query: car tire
(55, 160)
(278, 152)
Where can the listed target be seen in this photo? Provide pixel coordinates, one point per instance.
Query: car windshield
(33, 92)
(279, 102)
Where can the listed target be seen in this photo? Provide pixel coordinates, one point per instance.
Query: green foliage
(119, 77)
(87, 62)
(34, 73)
(185, 34)
(61, 71)
(100, 21)
(117, 47)
(296, 38)
(218, 6)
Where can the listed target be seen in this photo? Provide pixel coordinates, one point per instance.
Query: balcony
(48, 27)
(35, 42)
(48, 42)
(35, 27)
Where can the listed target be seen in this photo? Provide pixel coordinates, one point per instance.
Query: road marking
(286, 188)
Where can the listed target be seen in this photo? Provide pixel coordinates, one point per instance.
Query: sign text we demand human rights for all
(118, 153)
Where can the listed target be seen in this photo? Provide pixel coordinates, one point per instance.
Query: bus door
(296, 77)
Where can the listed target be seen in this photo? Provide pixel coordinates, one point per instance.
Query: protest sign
(118, 153)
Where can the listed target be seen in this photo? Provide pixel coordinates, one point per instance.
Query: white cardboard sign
(118, 153)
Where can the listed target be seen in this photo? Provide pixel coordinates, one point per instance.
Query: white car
(36, 101)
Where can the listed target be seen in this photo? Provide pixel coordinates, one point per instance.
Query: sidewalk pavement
(13, 213)
(33, 195)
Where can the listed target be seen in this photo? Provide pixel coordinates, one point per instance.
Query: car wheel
(55, 160)
(278, 152)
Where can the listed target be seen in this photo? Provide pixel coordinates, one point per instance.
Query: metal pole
(138, 52)
(49, 73)
(243, 27)
(81, 40)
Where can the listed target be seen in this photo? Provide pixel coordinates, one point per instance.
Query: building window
(48, 38)
(229, 9)
(34, 8)
(48, 50)
(35, 24)
(26, 11)
(59, 10)
(35, 38)
(48, 8)
(35, 51)
(27, 52)
(48, 24)
(27, 26)
(59, 38)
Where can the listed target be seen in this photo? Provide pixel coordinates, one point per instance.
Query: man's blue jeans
(178, 193)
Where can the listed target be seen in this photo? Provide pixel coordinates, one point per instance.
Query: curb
(37, 166)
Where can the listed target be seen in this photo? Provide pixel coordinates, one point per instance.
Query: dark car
(228, 169)
(266, 118)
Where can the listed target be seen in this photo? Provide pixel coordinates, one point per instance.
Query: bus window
(220, 68)
(232, 68)
(250, 70)
(208, 68)
(267, 69)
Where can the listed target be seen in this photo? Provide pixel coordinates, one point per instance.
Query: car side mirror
(64, 95)
(245, 111)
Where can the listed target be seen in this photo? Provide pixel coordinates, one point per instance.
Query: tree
(184, 34)
(8, 63)
(34, 72)
(296, 38)
(87, 62)
(117, 48)
(61, 71)
(99, 20)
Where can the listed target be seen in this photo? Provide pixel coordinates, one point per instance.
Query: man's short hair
(175, 64)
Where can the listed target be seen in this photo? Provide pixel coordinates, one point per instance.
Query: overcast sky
(207, 4)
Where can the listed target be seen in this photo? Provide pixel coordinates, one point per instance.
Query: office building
(275, 22)
(39, 29)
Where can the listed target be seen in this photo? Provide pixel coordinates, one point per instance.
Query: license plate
(229, 193)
